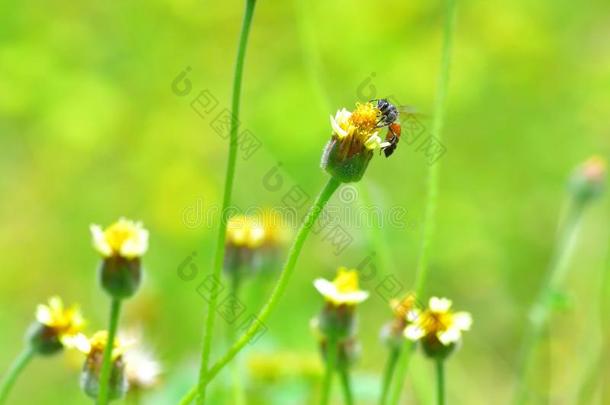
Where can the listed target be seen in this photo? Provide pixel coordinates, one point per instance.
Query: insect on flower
(388, 117)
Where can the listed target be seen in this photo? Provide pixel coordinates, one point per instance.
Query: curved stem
(542, 307)
(432, 188)
(115, 310)
(440, 382)
(228, 189)
(331, 362)
(16, 368)
(345, 384)
(293, 255)
(389, 372)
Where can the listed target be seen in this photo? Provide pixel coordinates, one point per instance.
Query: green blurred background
(90, 130)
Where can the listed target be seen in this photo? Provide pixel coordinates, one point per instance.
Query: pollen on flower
(365, 117)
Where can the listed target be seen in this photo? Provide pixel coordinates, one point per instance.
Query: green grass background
(90, 130)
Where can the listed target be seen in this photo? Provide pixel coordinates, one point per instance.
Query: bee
(388, 118)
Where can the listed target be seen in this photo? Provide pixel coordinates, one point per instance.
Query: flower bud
(120, 277)
(341, 296)
(355, 137)
(392, 332)
(587, 181)
(92, 368)
(121, 246)
(253, 243)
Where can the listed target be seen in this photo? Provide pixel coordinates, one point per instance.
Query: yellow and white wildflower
(124, 238)
(437, 322)
(343, 290)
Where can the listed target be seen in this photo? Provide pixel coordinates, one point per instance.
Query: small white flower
(438, 321)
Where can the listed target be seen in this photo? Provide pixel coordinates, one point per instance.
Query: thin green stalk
(542, 307)
(115, 310)
(236, 381)
(332, 350)
(605, 326)
(279, 289)
(16, 368)
(432, 188)
(228, 189)
(440, 381)
(388, 374)
(345, 384)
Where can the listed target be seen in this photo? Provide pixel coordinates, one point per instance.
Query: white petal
(439, 304)
(355, 297)
(99, 240)
(373, 142)
(462, 320)
(324, 287)
(449, 336)
(136, 246)
(43, 314)
(413, 332)
(413, 314)
(78, 342)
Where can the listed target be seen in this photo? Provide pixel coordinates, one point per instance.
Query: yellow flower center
(434, 322)
(346, 281)
(118, 233)
(365, 117)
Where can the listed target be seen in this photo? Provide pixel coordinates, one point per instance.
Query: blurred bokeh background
(90, 130)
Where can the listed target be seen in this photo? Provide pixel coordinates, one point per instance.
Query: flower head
(253, 242)
(93, 348)
(437, 325)
(587, 182)
(245, 231)
(97, 343)
(343, 290)
(55, 326)
(65, 322)
(124, 238)
(355, 136)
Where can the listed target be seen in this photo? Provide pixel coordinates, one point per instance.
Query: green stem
(278, 290)
(440, 381)
(388, 373)
(331, 362)
(345, 384)
(432, 188)
(115, 310)
(238, 389)
(228, 189)
(542, 307)
(16, 368)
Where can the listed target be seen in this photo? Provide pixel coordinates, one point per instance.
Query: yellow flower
(355, 135)
(343, 290)
(245, 231)
(357, 128)
(437, 322)
(124, 238)
(95, 345)
(65, 323)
